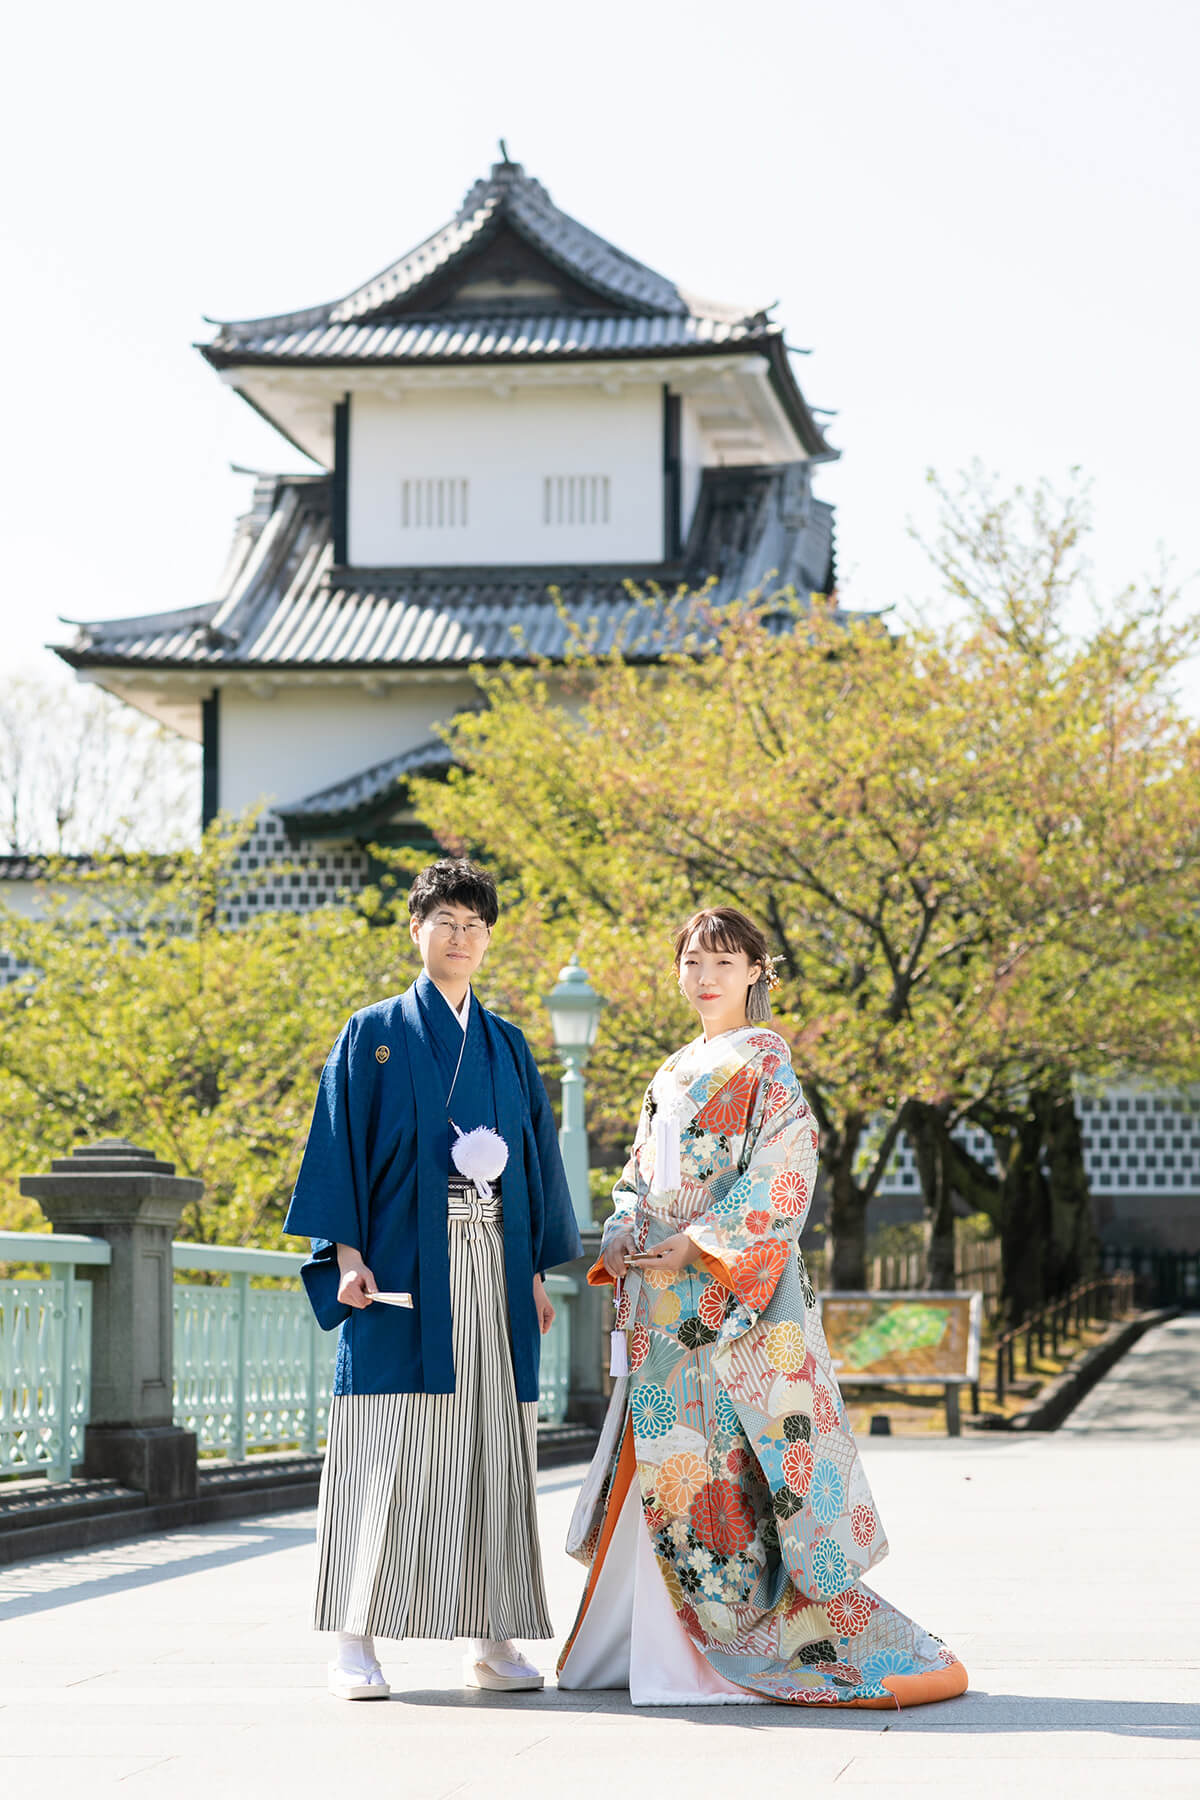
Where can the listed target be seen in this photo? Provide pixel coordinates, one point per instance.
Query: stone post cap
(111, 1156)
(112, 1167)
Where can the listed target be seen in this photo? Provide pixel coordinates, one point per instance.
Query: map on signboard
(899, 1336)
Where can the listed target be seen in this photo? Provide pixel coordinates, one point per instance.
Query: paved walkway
(1063, 1569)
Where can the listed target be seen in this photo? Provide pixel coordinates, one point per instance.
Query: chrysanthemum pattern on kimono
(759, 1511)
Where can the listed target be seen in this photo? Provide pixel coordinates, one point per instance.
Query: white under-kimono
(631, 1637)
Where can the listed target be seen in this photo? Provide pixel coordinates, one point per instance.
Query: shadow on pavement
(88, 1574)
(974, 1712)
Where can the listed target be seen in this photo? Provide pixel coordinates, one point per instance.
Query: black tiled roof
(357, 794)
(592, 302)
(286, 606)
(502, 338)
(43, 865)
(506, 197)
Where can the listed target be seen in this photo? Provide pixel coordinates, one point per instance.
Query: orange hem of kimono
(906, 1690)
(909, 1690)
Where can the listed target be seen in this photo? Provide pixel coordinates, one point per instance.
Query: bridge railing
(46, 1352)
(252, 1370)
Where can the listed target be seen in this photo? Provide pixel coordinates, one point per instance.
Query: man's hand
(541, 1300)
(673, 1254)
(357, 1284)
(617, 1252)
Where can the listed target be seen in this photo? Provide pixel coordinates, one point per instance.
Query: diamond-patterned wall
(1135, 1141)
(275, 874)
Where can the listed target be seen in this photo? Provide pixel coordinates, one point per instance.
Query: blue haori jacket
(374, 1176)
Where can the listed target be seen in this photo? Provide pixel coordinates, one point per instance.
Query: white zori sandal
(499, 1665)
(356, 1674)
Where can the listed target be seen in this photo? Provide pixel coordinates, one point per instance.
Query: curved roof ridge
(508, 193)
(366, 784)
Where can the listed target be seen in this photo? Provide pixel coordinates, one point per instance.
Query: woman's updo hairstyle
(725, 928)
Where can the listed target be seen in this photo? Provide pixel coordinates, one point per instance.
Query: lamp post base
(591, 1318)
(572, 1140)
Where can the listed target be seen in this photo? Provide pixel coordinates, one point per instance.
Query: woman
(726, 1520)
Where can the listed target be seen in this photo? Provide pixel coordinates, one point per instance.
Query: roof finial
(504, 156)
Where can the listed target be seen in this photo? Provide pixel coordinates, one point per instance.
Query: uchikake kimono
(427, 1521)
(728, 1442)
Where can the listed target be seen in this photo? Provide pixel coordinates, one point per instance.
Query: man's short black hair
(454, 882)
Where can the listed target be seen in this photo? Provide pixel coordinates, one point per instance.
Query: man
(430, 1240)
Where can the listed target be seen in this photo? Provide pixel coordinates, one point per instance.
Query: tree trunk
(847, 1211)
(1073, 1249)
(927, 1133)
(1024, 1215)
(976, 1186)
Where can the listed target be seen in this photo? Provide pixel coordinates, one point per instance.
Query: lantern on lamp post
(574, 1007)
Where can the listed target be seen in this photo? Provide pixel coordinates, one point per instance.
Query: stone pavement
(1062, 1568)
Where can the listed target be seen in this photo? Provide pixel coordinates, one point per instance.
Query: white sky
(981, 216)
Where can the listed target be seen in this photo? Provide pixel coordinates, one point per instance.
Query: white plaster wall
(691, 457)
(25, 898)
(504, 447)
(305, 738)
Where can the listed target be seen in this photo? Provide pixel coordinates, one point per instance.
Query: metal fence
(1099, 1301)
(46, 1353)
(1161, 1277)
(253, 1370)
(977, 1266)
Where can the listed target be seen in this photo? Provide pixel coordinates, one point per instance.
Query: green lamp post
(574, 1007)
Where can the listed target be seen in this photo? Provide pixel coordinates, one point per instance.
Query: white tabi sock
(356, 1654)
(482, 1649)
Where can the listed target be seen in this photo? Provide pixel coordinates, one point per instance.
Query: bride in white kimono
(726, 1520)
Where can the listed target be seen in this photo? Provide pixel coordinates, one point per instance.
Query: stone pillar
(115, 1191)
(591, 1322)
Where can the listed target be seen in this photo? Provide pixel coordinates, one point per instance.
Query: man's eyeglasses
(474, 930)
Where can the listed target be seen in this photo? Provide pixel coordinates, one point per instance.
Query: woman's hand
(617, 1252)
(357, 1284)
(541, 1300)
(673, 1254)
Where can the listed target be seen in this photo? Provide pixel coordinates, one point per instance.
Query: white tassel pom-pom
(480, 1156)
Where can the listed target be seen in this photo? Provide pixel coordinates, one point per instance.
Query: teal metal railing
(46, 1353)
(253, 1371)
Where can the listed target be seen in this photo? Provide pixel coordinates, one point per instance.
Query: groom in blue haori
(434, 1193)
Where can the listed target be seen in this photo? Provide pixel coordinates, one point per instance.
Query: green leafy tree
(143, 1015)
(960, 839)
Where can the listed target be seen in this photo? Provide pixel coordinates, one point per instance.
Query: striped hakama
(427, 1524)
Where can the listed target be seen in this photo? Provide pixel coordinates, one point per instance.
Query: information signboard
(908, 1337)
